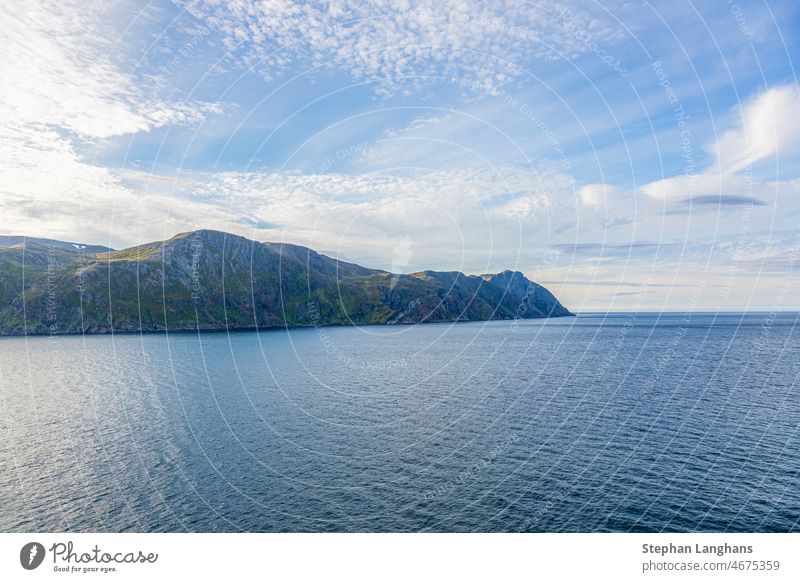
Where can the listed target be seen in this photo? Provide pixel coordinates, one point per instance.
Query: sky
(630, 156)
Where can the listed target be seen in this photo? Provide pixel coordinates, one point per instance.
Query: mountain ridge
(213, 280)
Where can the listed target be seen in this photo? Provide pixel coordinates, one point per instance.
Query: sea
(603, 422)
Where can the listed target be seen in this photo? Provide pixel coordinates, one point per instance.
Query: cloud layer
(400, 44)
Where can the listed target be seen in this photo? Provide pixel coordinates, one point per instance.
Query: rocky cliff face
(215, 280)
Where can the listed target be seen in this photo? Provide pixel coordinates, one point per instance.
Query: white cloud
(596, 194)
(706, 184)
(477, 43)
(769, 126)
(286, 196)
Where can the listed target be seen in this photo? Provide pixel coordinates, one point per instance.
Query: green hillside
(215, 280)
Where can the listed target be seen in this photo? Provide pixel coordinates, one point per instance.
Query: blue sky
(629, 155)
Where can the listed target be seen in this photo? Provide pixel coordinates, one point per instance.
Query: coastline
(228, 329)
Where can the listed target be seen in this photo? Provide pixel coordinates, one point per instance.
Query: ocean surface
(623, 422)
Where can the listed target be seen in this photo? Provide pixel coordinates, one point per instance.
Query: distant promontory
(211, 280)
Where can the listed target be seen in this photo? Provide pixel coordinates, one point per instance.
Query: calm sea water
(594, 423)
